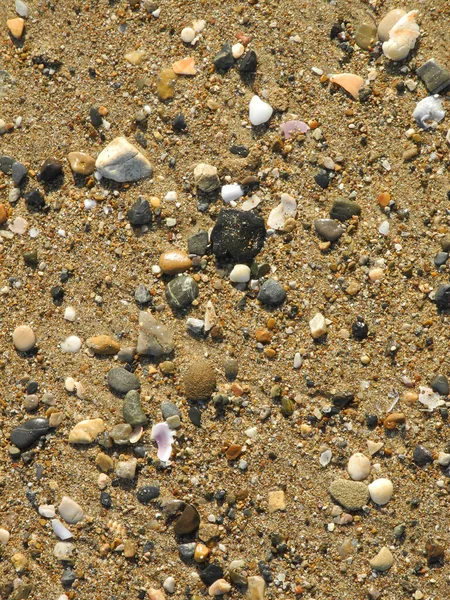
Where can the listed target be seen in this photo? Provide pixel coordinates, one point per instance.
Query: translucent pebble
(61, 530)
(33, 233)
(89, 204)
(384, 228)
(240, 274)
(325, 458)
(19, 226)
(187, 35)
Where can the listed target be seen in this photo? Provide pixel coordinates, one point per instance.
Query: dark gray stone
(224, 60)
(168, 409)
(6, 164)
(272, 293)
(249, 62)
(195, 416)
(122, 381)
(242, 151)
(35, 201)
(142, 295)
(186, 551)
(50, 170)
(147, 493)
(344, 210)
(198, 243)
(25, 434)
(442, 296)
(68, 577)
(439, 384)
(18, 173)
(238, 234)
(211, 574)
(140, 213)
(132, 409)
(322, 178)
(181, 291)
(441, 258)
(422, 456)
(95, 117)
(435, 77)
(188, 521)
(328, 229)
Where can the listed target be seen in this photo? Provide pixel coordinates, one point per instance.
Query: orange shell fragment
(185, 66)
(351, 83)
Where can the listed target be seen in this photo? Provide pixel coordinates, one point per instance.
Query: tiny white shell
(381, 490)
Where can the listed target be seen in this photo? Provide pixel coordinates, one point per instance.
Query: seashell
(358, 466)
(278, 215)
(163, 436)
(136, 434)
(402, 37)
(210, 316)
(429, 398)
(381, 490)
(259, 111)
(429, 110)
(292, 126)
(117, 529)
(349, 82)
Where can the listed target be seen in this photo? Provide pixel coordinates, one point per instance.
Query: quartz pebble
(383, 561)
(318, 326)
(256, 588)
(122, 162)
(155, 338)
(174, 261)
(47, 511)
(86, 431)
(231, 192)
(63, 550)
(70, 511)
(381, 491)
(81, 163)
(136, 57)
(259, 111)
(69, 314)
(24, 338)
(60, 530)
(359, 467)
(188, 35)
(206, 178)
(126, 469)
(240, 274)
(72, 344)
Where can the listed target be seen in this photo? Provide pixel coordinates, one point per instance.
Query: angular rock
(18, 173)
(132, 409)
(140, 213)
(50, 170)
(272, 293)
(86, 431)
(435, 77)
(6, 164)
(122, 162)
(188, 521)
(25, 434)
(206, 178)
(344, 210)
(181, 292)
(211, 574)
(256, 588)
(34, 200)
(155, 338)
(142, 295)
(122, 381)
(126, 469)
(249, 62)
(352, 495)
(276, 501)
(70, 511)
(224, 60)
(422, 456)
(198, 243)
(238, 234)
(318, 326)
(329, 229)
(16, 27)
(383, 561)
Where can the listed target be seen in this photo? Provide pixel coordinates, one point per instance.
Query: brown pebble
(394, 419)
(103, 344)
(410, 397)
(201, 553)
(81, 163)
(16, 27)
(435, 553)
(263, 336)
(174, 261)
(233, 451)
(410, 153)
(3, 214)
(129, 550)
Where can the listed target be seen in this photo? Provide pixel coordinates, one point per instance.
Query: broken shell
(402, 37)
(163, 436)
(136, 434)
(349, 82)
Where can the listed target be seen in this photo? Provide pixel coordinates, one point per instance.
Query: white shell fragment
(61, 530)
(279, 214)
(325, 458)
(70, 511)
(70, 314)
(47, 511)
(231, 192)
(210, 317)
(429, 398)
(429, 111)
(163, 436)
(402, 37)
(381, 491)
(358, 466)
(259, 111)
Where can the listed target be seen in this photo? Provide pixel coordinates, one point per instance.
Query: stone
(185, 66)
(238, 234)
(219, 587)
(329, 229)
(240, 274)
(435, 553)
(199, 380)
(359, 466)
(95, 117)
(206, 178)
(63, 550)
(120, 434)
(51, 169)
(3, 214)
(231, 192)
(442, 297)
(248, 63)
(104, 462)
(187, 522)
(154, 594)
(129, 550)
(211, 574)
(201, 553)
(181, 292)
(318, 326)
(344, 210)
(352, 495)
(70, 511)
(195, 416)
(68, 577)
(126, 469)
(179, 122)
(169, 409)
(388, 22)
(174, 261)
(16, 27)
(6, 164)
(28, 432)
(441, 258)
(21, 8)
(132, 409)
(256, 588)
(164, 84)
(233, 451)
(366, 34)
(86, 431)
(439, 384)
(81, 163)
(142, 294)
(122, 381)
(259, 112)
(34, 200)
(147, 493)
(140, 213)
(322, 178)
(272, 293)
(231, 368)
(187, 551)
(383, 561)
(224, 59)
(435, 77)
(103, 345)
(240, 150)
(18, 173)
(155, 339)
(4, 536)
(136, 57)
(421, 455)
(198, 243)
(381, 491)
(122, 162)
(24, 338)
(276, 501)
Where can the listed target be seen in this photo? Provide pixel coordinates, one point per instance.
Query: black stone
(141, 139)
(50, 170)
(211, 574)
(6, 164)
(342, 399)
(179, 123)
(335, 30)
(198, 243)
(224, 60)
(146, 493)
(265, 571)
(31, 258)
(435, 77)
(371, 421)
(442, 296)
(34, 200)
(140, 451)
(249, 62)
(322, 178)
(181, 291)
(360, 330)
(186, 551)
(364, 94)
(140, 213)
(18, 173)
(32, 387)
(239, 150)
(441, 258)
(344, 210)
(68, 577)
(422, 456)
(57, 293)
(25, 434)
(238, 234)
(195, 416)
(105, 500)
(272, 293)
(122, 381)
(142, 295)
(95, 117)
(439, 384)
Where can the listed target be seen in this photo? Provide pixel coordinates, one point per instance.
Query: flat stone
(206, 178)
(86, 431)
(344, 210)
(238, 234)
(132, 409)
(25, 434)
(199, 380)
(383, 561)
(174, 261)
(6, 164)
(272, 293)
(140, 213)
(103, 345)
(136, 57)
(81, 163)
(195, 416)
(122, 162)
(142, 294)
(181, 292)
(441, 258)
(329, 229)
(122, 381)
(185, 66)
(198, 243)
(169, 409)
(435, 77)
(18, 173)
(24, 338)
(276, 501)
(440, 384)
(188, 521)
(147, 493)
(155, 338)
(70, 511)
(421, 455)
(16, 27)
(51, 169)
(352, 495)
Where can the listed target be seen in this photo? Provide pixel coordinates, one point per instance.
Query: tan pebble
(410, 153)
(185, 66)
(16, 27)
(263, 335)
(394, 419)
(103, 344)
(270, 352)
(276, 501)
(410, 397)
(24, 338)
(104, 462)
(201, 553)
(305, 429)
(353, 288)
(56, 418)
(81, 163)
(103, 481)
(174, 261)
(376, 274)
(3, 214)
(135, 58)
(290, 224)
(155, 201)
(156, 594)
(103, 111)
(129, 550)
(233, 451)
(86, 431)
(19, 562)
(219, 587)
(365, 359)
(164, 85)
(271, 323)
(4, 536)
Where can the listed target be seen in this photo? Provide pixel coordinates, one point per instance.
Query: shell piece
(429, 110)
(163, 436)
(259, 111)
(349, 82)
(185, 66)
(402, 37)
(290, 127)
(358, 466)
(279, 214)
(381, 491)
(61, 530)
(429, 398)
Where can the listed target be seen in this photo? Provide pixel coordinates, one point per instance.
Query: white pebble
(297, 360)
(47, 511)
(103, 481)
(381, 491)
(63, 550)
(199, 25)
(195, 325)
(259, 111)
(21, 9)
(231, 192)
(33, 233)
(171, 197)
(169, 585)
(4, 536)
(237, 50)
(384, 228)
(187, 35)
(240, 274)
(325, 458)
(444, 459)
(70, 511)
(71, 344)
(251, 433)
(358, 466)
(61, 530)
(89, 204)
(318, 326)
(70, 314)
(19, 226)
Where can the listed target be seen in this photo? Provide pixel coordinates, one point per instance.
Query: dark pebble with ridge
(181, 292)
(211, 574)
(25, 434)
(224, 60)
(272, 293)
(249, 62)
(50, 170)
(122, 381)
(422, 456)
(140, 213)
(238, 234)
(147, 493)
(179, 123)
(34, 200)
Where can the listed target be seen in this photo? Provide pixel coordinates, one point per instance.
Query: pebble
(383, 561)
(70, 511)
(435, 77)
(24, 338)
(4, 536)
(21, 9)
(442, 297)
(104, 462)
(86, 431)
(147, 493)
(181, 292)
(237, 50)
(28, 432)
(185, 66)
(421, 455)
(122, 381)
(174, 261)
(223, 60)
(188, 35)
(322, 178)
(50, 170)
(440, 384)
(318, 326)
(256, 588)
(329, 229)
(47, 511)
(219, 587)
(259, 111)
(359, 467)
(132, 409)
(435, 553)
(179, 122)
(352, 495)
(206, 178)
(231, 368)
(60, 530)
(344, 210)
(34, 200)
(381, 491)
(140, 213)
(272, 293)
(249, 62)
(388, 22)
(18, 173)
(72, 344)
(199, 380)
(136, 57)
(240, 274)
(231, 192)
(63, 550)
(81, 163)
(126, 469)
(142, 294)
(122, 162)
(444, 459)
(165, 84)
(366, 34)
(169, 585)
(238, 234)
(276, 501)
(187, 523)
(16, 27)
(155, 339)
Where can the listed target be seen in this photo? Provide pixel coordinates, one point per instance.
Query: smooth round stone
(122, 381)
(329, 229)
(272, 293)
(72, 344)
(122, 162)
(4, 536)
(121, 433)
(81, 163)
(25, 434)
(132, 409)
(70, 511)
(24, 338)
(50, 170)
(381, 491)
(388, 22)
(169, 409)
(21, 9)
(187, 35)
(18, 173)
(366, 34)
(344, 210)
(359, 466)
(240, 274)
(442, 296)
(146, 493)
(439, 384)
(31, 402)
(174, 261)
(383, 561)
(352, 495)
(181, 292)
(231, 367)
(259, 111)
(188, 521)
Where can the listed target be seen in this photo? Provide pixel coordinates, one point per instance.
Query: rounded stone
(103, 344)
(146, 493)
(344, 210)
(132, 409)
(122, 381)
(140, 213)
(81, 163)
(199, 380)
(381, 491)
(50, 170)
(25, 434)
(174, 261)
(359, 466)
(442, 297)
(383, 561)
(272, 293)
(24, 338)
(439, 384)
(181, 292)
(329, 229)
(388, 22)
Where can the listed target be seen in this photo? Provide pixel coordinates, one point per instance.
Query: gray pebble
(272, 293)
(132, 409)
(181, 291)
(122, 381)
(329, 229)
